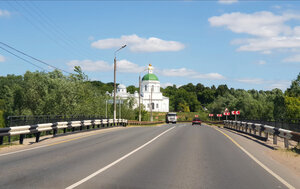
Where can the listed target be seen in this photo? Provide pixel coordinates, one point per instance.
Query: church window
(156, 105)
(145, 87)
(152, 106)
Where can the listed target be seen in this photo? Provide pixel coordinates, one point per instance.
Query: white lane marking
(258, 162)
(115, 162)
(9, 153)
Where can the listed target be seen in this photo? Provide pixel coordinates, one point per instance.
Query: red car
(196, 121)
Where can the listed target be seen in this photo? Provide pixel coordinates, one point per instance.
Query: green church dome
(150, 76)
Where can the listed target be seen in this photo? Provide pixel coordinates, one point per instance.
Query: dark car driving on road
(196, 121)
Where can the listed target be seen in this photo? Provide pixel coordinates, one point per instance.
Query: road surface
(168, 156)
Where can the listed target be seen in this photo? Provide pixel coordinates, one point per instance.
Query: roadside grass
(9, 145)
(296, 150)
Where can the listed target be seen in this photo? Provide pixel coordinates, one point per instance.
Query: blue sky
(244, 44)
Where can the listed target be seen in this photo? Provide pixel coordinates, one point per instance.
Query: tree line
(52, 93)
(253, 104)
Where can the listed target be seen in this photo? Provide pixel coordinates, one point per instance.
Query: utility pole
(119, 108)
(105, 108)
(140, 108)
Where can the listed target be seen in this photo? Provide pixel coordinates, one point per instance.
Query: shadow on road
(255, 140)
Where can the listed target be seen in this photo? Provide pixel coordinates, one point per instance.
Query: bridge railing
(133, 122)
(257, 129)
(37, 129)
(289, 124)
(12, 121)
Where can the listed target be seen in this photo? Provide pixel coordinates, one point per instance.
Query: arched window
(145, 87)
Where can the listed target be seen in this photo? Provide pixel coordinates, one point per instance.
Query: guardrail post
(1, 140)
(266, 135)
(274, 138)
(54, 132)
(286, 143)
(21, 139)
(37, 137)
(276, 132)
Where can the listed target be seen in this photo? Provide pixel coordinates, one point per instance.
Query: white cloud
(126, 66)
(181, 72)
(138, 44)
(102, 66)
(129, 67)
(89, 65)
(267, 44)
(263, 24)
(227, 1)
(189, 73)
(4, 13)
(283, 85)
(252, 81)
(215, 76)
(295, 58)
(91, 38)
(270, 31)
(2, 58)
(261, 62)
(268, 84)
(164, 85)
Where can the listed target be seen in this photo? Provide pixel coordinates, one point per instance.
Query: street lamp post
(115, 69)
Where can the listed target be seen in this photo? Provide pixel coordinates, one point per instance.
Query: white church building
(151, 97)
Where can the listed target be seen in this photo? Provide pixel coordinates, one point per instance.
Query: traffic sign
(210, 115)
(196, 116)
(226, 113)
(233, 112)
(219, 115)
(237, 112)
(226, 110)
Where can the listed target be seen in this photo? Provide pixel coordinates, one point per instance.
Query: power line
(23, 59)
(53, 25)
(39, 27)
(33, 58)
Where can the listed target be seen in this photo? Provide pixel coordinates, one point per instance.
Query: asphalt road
(169, 156)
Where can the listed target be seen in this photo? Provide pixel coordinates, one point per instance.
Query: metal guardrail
(12, 121)
(253, 128)
(38, 128)
(132, 122)
(289, 124)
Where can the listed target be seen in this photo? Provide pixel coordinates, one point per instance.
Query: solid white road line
(115, 162)
(9, 153)
(258, 162)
